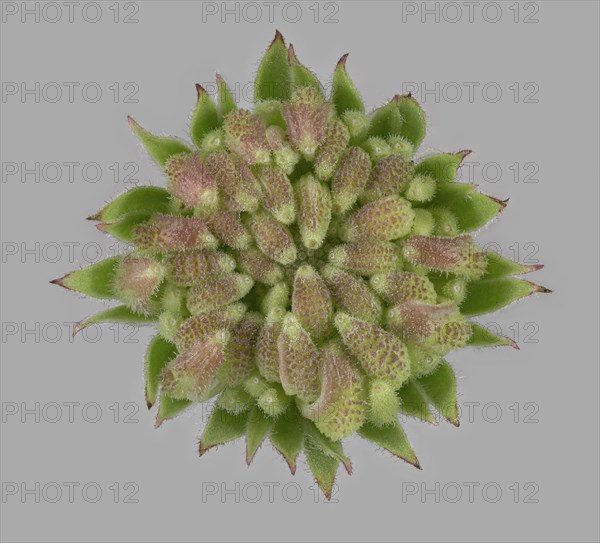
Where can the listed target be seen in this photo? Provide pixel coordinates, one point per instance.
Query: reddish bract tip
(540, 288)
(278, 37)
(200, 90)
(61, 281)
(292, 54)
(103, 226)
(132, 122)
(463, 153)
(342, 62)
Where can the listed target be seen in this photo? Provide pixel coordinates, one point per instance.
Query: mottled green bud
(188, 268)
(307, 115)
(136, 280)
(350, 179)
(397, 287)
(273, 238)
(381, 354)
(383, 220)
(257, 265)
(192, 375)
(238, 362)
(190, 180)
(278, 194)
(228, 228)
(210, 294)
(331, 149)
(314, 211)
(366, 258)
(245, 135)
(170, 233)
(298, 360)
(311, 302)
(352, 294)
(240, 188)
(457, 255)
(389, 176)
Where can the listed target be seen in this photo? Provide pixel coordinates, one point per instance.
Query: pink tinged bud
(457, 255)
(136, 280)
(307, 115)
(366, 258)
(190, 181)
(397, 287)
(240, 350)
(350, 179)
(235, 180)
(200, 327)
(260, 267)
(170, 233)
(340, 409)
(278, 195)
(314, 211)
(185, 269)
(272, 238)
(285, 157)
(389, 176)
(298, 360)
(383, 220)
(311, 302)
(267, 354)
(245, 135)
(431, 324)
(331, 149)
(214, 293)
(381, 354)
(192, 375)
(352, 295)
(228, 228)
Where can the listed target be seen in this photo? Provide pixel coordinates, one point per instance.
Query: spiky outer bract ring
(303, 268)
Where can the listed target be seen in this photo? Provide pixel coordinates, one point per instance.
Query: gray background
(552, 446)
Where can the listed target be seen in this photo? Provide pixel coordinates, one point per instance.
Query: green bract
(303, 268)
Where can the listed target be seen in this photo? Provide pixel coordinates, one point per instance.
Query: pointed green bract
(257, 430)
(442, 167)
(413, 403)
(499, 266)
(205, 117)
(273, 79)
(413, 120)
(301, 76)
(148, 199)
(226, 98)
(124, 228)
(386, 120)
(323, 467)
(344, 94)
(169, 408)
(221, 428)
(393, 439)
(287, 437)
(95, 280)
(439, 388)
(327, 446)
(118, 314)
(158, 354)
(489, 295)
(160, 148)
(483, 337)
